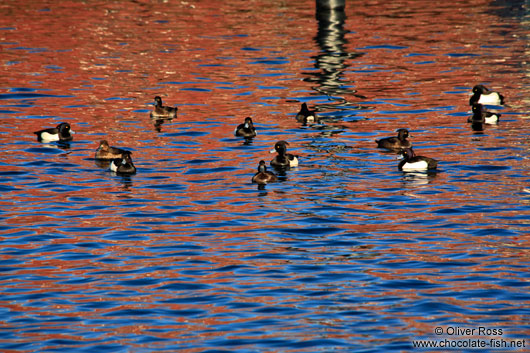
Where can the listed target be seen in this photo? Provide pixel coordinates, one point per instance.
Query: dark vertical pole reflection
(331, 61)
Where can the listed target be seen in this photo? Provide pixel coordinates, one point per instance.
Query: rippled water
(345, 253)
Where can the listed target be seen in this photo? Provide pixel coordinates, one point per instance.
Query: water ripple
(344, 253)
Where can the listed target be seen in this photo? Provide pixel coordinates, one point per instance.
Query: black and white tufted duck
(246, 129)
(62, 133)
(306, 116)
(123, 165)
(283, 159)
(483, 95)
(413, 163)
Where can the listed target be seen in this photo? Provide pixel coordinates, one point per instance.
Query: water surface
(345, 253)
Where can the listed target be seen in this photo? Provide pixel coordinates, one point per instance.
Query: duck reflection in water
(59, 144)
(482, 117)
(127, 183)
(477, 127)
(418, 178)
(102, 163)
(157, 123)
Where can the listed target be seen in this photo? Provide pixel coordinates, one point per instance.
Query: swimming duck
(306, 116)
(483, 95)
(123, 165)
(263, 176)
(61, 133)
(246, 129)
(283, 159)
(395, 143)
(105, 151)
(413, 163)
(480, 115)
(163, 112)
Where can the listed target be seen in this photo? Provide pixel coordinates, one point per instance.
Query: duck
(246, 129)
(263, 176)
(483, 95)
(163, 112)
(105, 151)
(306, 116)
(123, 165)
(480, 115)
(283, 159)
(413, 163)
(62, 133)
(395, 143)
